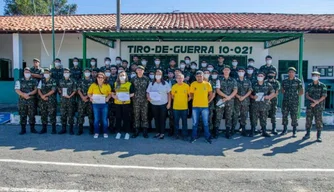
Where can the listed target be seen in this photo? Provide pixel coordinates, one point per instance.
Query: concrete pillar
(17, 55)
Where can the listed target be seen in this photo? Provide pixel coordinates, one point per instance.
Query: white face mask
(269, 62)
(210, 69)
(151, 76)
(75, 63)
(204, 64)
(206, 76)
(315, 78)
(118, 61)
(214, 76)
(251, 63)
(157, 62)
(193, 67)
(158, 77)
(92, 63)
(250, 71)
(66, 75)
(46, 76)
(107, 62)
(234, 63)
(27, 75)
(87, 74)
(144, 62)
(182, 66)
(108, 74)
(133, 75)
(241, 74)
(122, 78)
(260, 78)
(57, 64)
(187, 61)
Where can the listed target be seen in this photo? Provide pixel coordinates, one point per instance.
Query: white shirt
(163, 90)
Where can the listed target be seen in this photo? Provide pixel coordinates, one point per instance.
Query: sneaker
(96, 136)
(118, 136)
(192, 140)
(105, 135)
(127, 136)
(208, 141)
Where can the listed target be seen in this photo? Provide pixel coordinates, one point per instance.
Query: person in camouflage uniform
(220, 65)
(226, 88)
(58, 71)
(26, 88)
(171, 81)
(251, 75)
(47, 88)
(66, 106)
(111, 79)
(85, 106)
(268, 66)
(251, 64)
(36, 73)
(76, 71)
(261, 105)
(140, 102)
(292, 88)
(273, 102)
(316, 93)
(107, 62)
(241, 102)
(212, 105)
(93, 65)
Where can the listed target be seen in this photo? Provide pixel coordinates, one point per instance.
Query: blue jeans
(181, 114)
(196, 112)
(100, 115)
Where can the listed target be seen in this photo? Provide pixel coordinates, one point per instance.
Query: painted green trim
(103, 41)
(277, 42)
(53, 35)
(84, 50)
(300, 66)
(16, 74)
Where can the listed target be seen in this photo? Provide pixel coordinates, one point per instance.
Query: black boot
(54, 129)
(294, 131)
(252, 131)
(171, 132)
(71, 130)
(145, 134)
(319, 136)
(32, 128)
(80, 132)
(44, 129)
(264, 132)
(23, 129)
(215, 132)
(136, 133)
(243, 130)
(273, 130)
(232, 130)
(307, 135)
(285, 130)
(228, 134)
(63, 130)
(91, 129)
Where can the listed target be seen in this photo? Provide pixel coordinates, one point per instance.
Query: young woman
(122, 93)
(158, 93)
(99, 93)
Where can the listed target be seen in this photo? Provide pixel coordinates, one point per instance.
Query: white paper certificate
(64, 92)
(260, 96)
(155, 96)
(99, 99)
(123, 96)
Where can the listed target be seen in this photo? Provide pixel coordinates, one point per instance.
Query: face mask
(46, 76)
(270, 77)
(75, 63)
(269, 62)
(92, 63)
(193, 67)
(107, 62)
(144, 62)
(260, 78)
(204, 64)
(87, 74)
(133, 75)
(151, 76)
(241, 74)
(157, 62)
(251, 63)
(315, 78)
(118, 61)
(108, 74)
(27, 75)
(187, 61)
(57, 64)
(210, 69)
(158, 77)
(214, 76)
(250, 71)
(122, 78)
(234, 63)
(206, 76)
(66, 75)
(182, 66)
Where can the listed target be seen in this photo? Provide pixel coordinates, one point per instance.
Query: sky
(219, 6)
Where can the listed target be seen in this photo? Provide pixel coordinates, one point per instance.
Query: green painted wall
(7, 92)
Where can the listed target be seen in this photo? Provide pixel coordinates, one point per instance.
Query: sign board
(4, 118)
(325, 71)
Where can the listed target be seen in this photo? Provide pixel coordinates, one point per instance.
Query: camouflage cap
(292, 68)
(26, 68)
(140, 67)
(315, 73)
(35, 59)
(66, 69)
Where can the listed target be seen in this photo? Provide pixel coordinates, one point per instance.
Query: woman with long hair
(158, 93)
(99, 93)
(123, 91)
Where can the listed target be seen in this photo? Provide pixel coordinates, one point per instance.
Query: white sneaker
(105, 135)
(118, 136)
(96, 136)
(127, 136)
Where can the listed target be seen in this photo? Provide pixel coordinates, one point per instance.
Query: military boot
(228, 133)
(307, 135)
(273, 130)
(264, 132)
(80, 131)
(294, 131)
(232, 130)
(171, 131)
(252, 131)
(136, 133)
(63, 130)
(23, 129)
(243, 130)
(319, 136)
(145, 134)
(71, 130)
(285, 130)
(54, 129)
(215, 132)
(32, 128)
(91, 128)
(44, 129)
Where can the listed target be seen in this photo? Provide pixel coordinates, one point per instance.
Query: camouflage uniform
(38, 71)
(57, 74)
(212, 108)
(227, 86)
(111, 105)
(234, 73)
(219, 67)
(49, 107)
(273, 102)
(85, 108)
(266, 69)
(140, 103)
(102, 69)
(76, 73)
(170, 110)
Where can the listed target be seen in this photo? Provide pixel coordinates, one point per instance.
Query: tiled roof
(171, 21)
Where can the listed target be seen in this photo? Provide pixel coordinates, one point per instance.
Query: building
(288, 38)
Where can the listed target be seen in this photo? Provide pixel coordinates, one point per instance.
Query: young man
(316, 93)
(107, 62)
(273, 102)
(58, 71)
(93, 65)
(76, 71)
(268, 66)
(220, 65)
(171, 81)
(234, 69)
(201, 93)
(36, 70)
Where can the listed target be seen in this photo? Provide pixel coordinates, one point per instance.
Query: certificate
(64, 92)
(123, 96)
(260, 96)
(155, 96)
(99, 99)
(220, 103)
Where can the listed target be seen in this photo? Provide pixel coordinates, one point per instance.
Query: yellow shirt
(95, 89)
(180, 93)
(201, 92)
(124, 88)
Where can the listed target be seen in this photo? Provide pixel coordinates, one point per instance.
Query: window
(164, 59)
(70, 63)
(213, 59)
(6, 71)
(283, 66)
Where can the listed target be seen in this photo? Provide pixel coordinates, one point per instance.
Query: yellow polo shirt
(95, 89)
(180, 93)
(201, 93)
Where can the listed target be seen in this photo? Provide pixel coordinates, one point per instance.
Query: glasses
(100, 77)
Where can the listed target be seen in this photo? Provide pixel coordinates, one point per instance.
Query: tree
(38, 7)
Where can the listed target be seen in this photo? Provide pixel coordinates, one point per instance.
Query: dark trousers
(123, 113)
(181, 114)
(159, 115)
